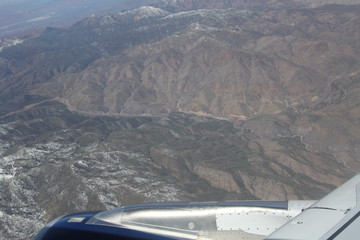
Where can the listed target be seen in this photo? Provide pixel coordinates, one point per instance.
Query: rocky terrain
(179, 101)
(56, 162)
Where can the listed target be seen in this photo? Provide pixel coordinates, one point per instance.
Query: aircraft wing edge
(334, 217)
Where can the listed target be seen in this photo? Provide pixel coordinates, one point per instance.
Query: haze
(19, 16)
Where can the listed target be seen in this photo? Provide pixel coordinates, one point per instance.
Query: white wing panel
(333, 217)
(261, 222)
(308, 225)
(343, 198)
(351, 231)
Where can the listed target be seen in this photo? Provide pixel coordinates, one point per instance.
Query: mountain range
(179, 100)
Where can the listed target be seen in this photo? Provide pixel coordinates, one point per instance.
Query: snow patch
(4, 43)
(50, 146)
(5, 177)
(5, 128)
(107, 20)
(141, 180)
(148, 11)
(145, 12)
(26, 153)
(201, 13)
(219, 15)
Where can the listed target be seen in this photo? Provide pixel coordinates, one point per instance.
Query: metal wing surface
(336, 216)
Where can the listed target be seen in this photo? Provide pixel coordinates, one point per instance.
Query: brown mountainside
(237, 65)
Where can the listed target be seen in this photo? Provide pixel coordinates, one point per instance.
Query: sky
(16, 2)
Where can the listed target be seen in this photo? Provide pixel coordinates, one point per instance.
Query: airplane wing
(336, 216)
